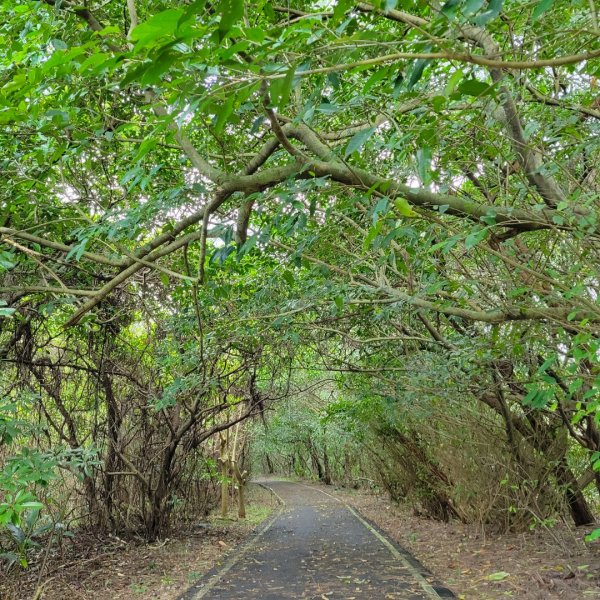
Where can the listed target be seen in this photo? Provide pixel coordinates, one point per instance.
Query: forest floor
(101, 567)
(542, 564)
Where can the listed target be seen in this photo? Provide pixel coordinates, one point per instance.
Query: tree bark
(224, 479)
(578, 506)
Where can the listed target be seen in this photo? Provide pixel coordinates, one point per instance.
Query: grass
(260, 505)
(255, 513)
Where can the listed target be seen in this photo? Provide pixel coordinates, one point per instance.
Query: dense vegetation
(352, 241)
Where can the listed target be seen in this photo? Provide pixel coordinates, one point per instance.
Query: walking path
(316, 547)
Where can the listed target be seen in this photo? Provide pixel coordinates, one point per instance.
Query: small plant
(24, 537)
(193, 576)
(547, 523)
(595, 535)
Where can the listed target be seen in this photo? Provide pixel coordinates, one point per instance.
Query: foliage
(209, 207)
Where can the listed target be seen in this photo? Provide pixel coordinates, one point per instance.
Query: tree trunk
(539, 437)
(241, 479)
(224, 479)
(432, 478)
(270, 468)
(111, 461)
(578, 506)
(242, 501)
(314, 456)
(347, 468)
(326, 467)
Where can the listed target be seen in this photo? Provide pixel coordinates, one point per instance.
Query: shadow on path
(317, 547)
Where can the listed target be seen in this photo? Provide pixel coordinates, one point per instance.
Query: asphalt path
(317, 547)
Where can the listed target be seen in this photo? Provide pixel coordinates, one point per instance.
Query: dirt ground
(107, 568)
(542, 564)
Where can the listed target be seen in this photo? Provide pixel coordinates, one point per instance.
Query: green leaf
(372, 234)
(474, 87)
(10, 558)
(145, 147)
(281, 89)
(404, 208)
(340, 9)
(450, 9)
(494, 8)
(77, 250)
(547, 364)
(499, 576)
(329, 108)
(375, 78)
(489, 219)
(424, 164)
(58, 44)
(6, 261)
(289, 278)
(224, 113)
(541, 8)
(537, 397)
(288, 85)
(417, 71)
(32, 505)
(160, 25)
(575, 385)
(231, 12)
(446, 245)
(475, 238)
(358, 140)
(109, 30)
(592, 537)
(255, 34)
(453, 82)
(380, 208)
(471, 7)
(158, 67)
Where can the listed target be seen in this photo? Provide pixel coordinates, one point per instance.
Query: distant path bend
(318, 548)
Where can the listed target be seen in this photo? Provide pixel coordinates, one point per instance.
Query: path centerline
(317, 546)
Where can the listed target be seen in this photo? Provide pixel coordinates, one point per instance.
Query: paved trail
(317, 547)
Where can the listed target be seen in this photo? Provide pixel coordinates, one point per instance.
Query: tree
(415, 180)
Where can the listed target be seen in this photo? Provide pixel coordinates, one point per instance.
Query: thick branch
(584, 110)
(6, 232)
(35, 289)
(475, 59)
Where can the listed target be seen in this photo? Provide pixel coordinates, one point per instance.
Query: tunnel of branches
(340, 241)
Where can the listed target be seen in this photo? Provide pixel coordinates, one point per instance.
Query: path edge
(207, 581)
(427, 576)
(439, 588)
